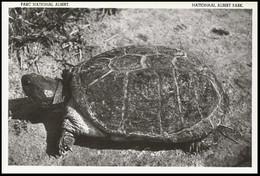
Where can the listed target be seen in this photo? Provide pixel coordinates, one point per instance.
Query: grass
(32, 139)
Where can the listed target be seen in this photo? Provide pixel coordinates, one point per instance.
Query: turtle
(135, 93)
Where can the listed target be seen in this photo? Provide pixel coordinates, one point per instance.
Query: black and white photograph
(158, 86)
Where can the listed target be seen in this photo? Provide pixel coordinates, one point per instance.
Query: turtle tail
(229, 133)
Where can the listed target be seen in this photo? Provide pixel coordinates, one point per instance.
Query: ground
(222, 39)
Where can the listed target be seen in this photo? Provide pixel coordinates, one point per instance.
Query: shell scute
(107, 101)
(158, 61)
(92, 70)
(127, 62)
(141, 50)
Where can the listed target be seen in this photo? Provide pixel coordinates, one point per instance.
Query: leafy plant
(49, 26)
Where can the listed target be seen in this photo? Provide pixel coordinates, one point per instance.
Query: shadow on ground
(51, 117)
(23, 109)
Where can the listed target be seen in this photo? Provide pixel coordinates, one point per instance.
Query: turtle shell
(148, 91)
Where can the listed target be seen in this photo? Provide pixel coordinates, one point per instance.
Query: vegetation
(35, 30)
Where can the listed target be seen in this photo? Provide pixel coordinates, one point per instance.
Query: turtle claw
(197, 147)
(66, 143)
(64, 149)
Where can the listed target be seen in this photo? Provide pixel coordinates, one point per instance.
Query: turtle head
(42, 90)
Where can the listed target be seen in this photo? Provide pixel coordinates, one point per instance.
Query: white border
(154, 5)
(88, 169)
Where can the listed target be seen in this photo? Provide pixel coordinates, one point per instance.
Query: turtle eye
(26, 81)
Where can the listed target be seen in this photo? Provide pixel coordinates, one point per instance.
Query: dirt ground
(220, 38)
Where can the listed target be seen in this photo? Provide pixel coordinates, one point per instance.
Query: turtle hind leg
(201, 145)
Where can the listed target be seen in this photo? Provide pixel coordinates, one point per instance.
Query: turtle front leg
(67, 139)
